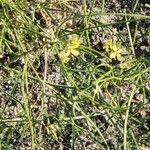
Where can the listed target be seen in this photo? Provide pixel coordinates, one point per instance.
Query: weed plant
(72, 76)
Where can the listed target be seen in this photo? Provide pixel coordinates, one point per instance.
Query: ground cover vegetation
(74, 74)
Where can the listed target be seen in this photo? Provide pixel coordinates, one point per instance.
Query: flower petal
(75, 52)
(112, 55)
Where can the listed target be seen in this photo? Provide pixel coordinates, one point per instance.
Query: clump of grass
(59, 89)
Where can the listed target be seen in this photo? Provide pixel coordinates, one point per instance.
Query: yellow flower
(106, 44)
(73, 52)
(71, 48)
(116, 55)
(64, 56)
(113, 48)
(72, 44)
